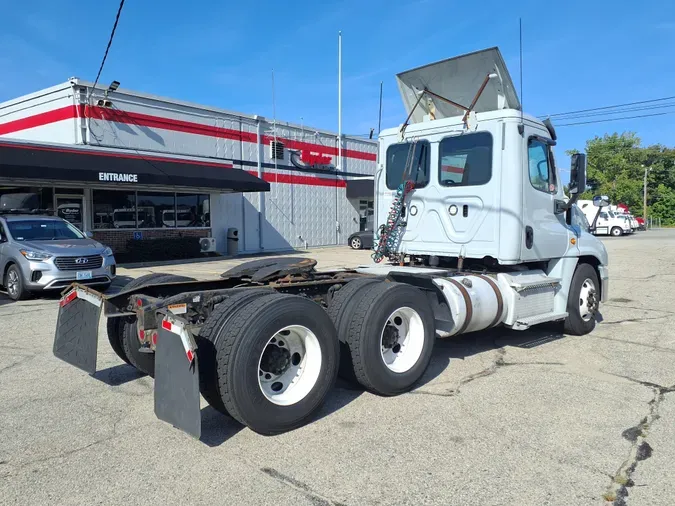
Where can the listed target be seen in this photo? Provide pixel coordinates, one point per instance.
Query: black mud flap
(177, 377)
(76, 339)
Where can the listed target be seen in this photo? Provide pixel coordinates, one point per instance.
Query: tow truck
(473, 231)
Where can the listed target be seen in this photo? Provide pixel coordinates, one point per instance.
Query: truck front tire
(390, 337)
(582, 301)
(277, 359)
(616, 232)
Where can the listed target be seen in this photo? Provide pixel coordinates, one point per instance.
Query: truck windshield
(43, 230)
(403, 164)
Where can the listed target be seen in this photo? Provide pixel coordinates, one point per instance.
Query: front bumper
(46, 276)
(604, 282)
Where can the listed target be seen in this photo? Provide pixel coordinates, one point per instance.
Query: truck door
(545, 234)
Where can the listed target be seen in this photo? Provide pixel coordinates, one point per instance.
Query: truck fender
(563, 269)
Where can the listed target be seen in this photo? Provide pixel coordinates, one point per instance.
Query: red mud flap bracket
(76, 338)
(177, 377)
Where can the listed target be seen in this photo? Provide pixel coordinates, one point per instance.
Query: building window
(277, 149)
(465, 160)
(403, 164)
(113, 209)
(43, 197)
(156, 210)
(193, 210)
(366, 213)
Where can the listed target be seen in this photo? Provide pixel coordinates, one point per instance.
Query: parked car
(48, 253)
(641, 223)
(361, 240)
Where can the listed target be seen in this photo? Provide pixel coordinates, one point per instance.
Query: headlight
(35, 255)
(107, 252)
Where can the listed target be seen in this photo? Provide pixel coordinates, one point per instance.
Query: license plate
(83, 275)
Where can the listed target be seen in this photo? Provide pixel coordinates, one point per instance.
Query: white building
(127, 165)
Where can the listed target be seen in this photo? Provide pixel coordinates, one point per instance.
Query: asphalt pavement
(500, 418)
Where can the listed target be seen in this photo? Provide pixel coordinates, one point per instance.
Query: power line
(608, 107)
(615, 119)
(620, 111)
(112, 35)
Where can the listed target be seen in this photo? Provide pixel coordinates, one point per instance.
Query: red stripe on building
(118, 116)
(40, 119)
(321, 149)
(118, 155)
(450, 168)
(275, 177)
(175, 125)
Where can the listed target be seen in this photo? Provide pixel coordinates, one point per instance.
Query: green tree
(616, 165)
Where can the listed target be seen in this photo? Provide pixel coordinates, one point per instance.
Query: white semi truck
(474, 231)
(605, 221)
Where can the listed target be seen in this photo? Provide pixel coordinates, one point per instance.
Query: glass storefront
(149, 210)
(114, 209)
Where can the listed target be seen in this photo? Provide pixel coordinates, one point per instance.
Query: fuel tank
(475, 302)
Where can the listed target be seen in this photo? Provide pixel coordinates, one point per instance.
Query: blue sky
(578, 54)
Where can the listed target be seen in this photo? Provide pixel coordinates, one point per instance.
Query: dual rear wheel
(386, 332)
(269, 360)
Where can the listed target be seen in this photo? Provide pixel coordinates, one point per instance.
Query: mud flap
(76, 338)
(177, 377)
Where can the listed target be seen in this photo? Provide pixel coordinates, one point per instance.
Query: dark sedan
(361, 240)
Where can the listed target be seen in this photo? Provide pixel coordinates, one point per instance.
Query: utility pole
(644, 195)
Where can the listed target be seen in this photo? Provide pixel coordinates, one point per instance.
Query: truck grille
(79, 263)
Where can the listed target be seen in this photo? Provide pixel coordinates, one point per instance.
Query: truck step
(526, 323)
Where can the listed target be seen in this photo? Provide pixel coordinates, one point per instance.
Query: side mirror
(578, 174)
(89, 234)
(601, 201)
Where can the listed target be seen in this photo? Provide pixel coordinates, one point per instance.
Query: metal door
(546, 234)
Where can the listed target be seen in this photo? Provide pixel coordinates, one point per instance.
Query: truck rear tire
(207, 342)
(582, 301)
(277, 358)
(340, 309)
(123, 334)
(390, 337)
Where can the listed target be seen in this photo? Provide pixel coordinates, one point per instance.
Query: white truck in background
(474, 231)
(605, 221)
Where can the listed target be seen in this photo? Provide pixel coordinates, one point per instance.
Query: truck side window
(465, 160)
(540, 167)
(403, 164)
(603, 216)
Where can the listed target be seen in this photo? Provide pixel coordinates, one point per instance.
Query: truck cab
(486, 183)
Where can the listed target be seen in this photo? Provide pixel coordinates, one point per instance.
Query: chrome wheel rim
(588, 300)
(12, 283)
(356, 243)
(289, 366)
(402, 340)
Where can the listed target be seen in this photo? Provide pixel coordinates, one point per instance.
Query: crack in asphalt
(617, 491)
(497, 363)
(314, 497)
(67, 453)
(623, 306)
(25, 358)
(627, 341)
(633, 320)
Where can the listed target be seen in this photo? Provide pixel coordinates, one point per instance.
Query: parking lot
(501, 417)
